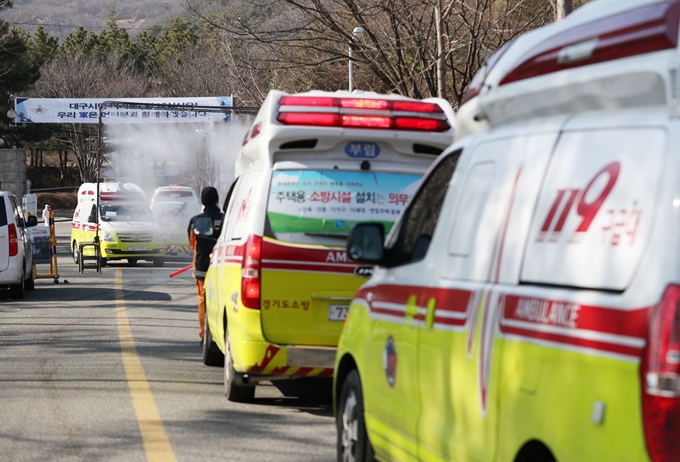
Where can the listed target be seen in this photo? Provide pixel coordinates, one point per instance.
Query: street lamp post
(357, 32)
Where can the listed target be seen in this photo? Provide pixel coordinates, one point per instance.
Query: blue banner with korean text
(86, 110)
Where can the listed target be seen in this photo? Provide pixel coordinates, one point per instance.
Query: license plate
(137, 247)
(338, 312)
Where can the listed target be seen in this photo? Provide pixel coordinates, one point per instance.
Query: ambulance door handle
(431, 306)
(411, 308)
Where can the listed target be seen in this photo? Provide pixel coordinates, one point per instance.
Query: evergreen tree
(17, 73)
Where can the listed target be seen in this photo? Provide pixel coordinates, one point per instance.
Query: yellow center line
(156, 443)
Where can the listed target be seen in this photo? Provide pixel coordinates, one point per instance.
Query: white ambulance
(527, 303)
(312, 165)
(127, 230)
(173, 207)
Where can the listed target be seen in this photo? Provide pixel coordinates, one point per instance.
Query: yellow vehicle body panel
(302, 287)
(117, 249)
(581, 403)
(126, 228)
(260, 338)
(557, 390)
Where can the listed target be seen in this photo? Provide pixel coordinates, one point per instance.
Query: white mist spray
(192, 154)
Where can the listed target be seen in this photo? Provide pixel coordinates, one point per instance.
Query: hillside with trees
(62, 17)
(418, 48)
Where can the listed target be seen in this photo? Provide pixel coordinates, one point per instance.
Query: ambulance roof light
(326, 111)
(638, 31)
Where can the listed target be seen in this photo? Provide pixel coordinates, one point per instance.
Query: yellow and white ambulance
(127, 229)
(526, 305)
(312, 165)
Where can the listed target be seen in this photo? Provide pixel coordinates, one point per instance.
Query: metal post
(351, 82)
(357, 32)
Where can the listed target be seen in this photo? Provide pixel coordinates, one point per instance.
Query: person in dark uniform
(203, 245)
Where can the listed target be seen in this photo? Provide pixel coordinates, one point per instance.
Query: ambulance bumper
(133, 253)
(311, 357)
(257, 358)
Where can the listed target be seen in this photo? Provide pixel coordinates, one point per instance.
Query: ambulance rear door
(307, 279)
(594, 217)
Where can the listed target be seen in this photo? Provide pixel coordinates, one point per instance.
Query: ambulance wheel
(353, 443)
(103, 261)
(234, 389)
(132, 261)
(158, 262)
(74, 252)
(212, 356)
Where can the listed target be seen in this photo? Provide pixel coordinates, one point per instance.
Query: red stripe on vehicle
(269, 354)
(574, 341)
(538, 311)
(302, 266)
(276, 251)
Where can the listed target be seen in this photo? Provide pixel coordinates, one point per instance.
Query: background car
(173, 207)
(16, 256)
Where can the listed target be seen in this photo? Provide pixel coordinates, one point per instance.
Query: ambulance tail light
(13, 240)
(661, 379)
(250, 273)
(326, 111)
(638, 31)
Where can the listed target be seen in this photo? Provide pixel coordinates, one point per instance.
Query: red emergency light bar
(325, 111)
(634, 32)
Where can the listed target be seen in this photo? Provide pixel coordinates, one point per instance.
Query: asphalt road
(107, 367)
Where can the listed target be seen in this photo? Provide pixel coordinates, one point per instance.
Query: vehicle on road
(526, 306)
(311, 167)
(127, 229)
(16, 253)
(173, 207)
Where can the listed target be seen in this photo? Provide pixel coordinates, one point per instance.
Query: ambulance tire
(74, 252)
(351, 416)
(158, 262)
(234, 388)
(212, 356)
(132, 261)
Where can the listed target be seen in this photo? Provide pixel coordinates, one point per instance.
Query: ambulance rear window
(167, 196)
(322, 206)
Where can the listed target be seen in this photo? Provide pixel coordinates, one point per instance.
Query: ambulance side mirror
(366, 243)
(32, 220)
(204, 226)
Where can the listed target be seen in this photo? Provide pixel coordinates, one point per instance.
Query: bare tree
(212, 67)
(82, 75)
(563, 8)
(418, 48)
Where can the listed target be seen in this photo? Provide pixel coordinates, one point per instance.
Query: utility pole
(441, 70)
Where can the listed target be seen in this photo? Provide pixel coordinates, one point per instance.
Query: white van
(16, 254)
(127, 229)
(312, 165)
(527, 303)
(173, 207)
